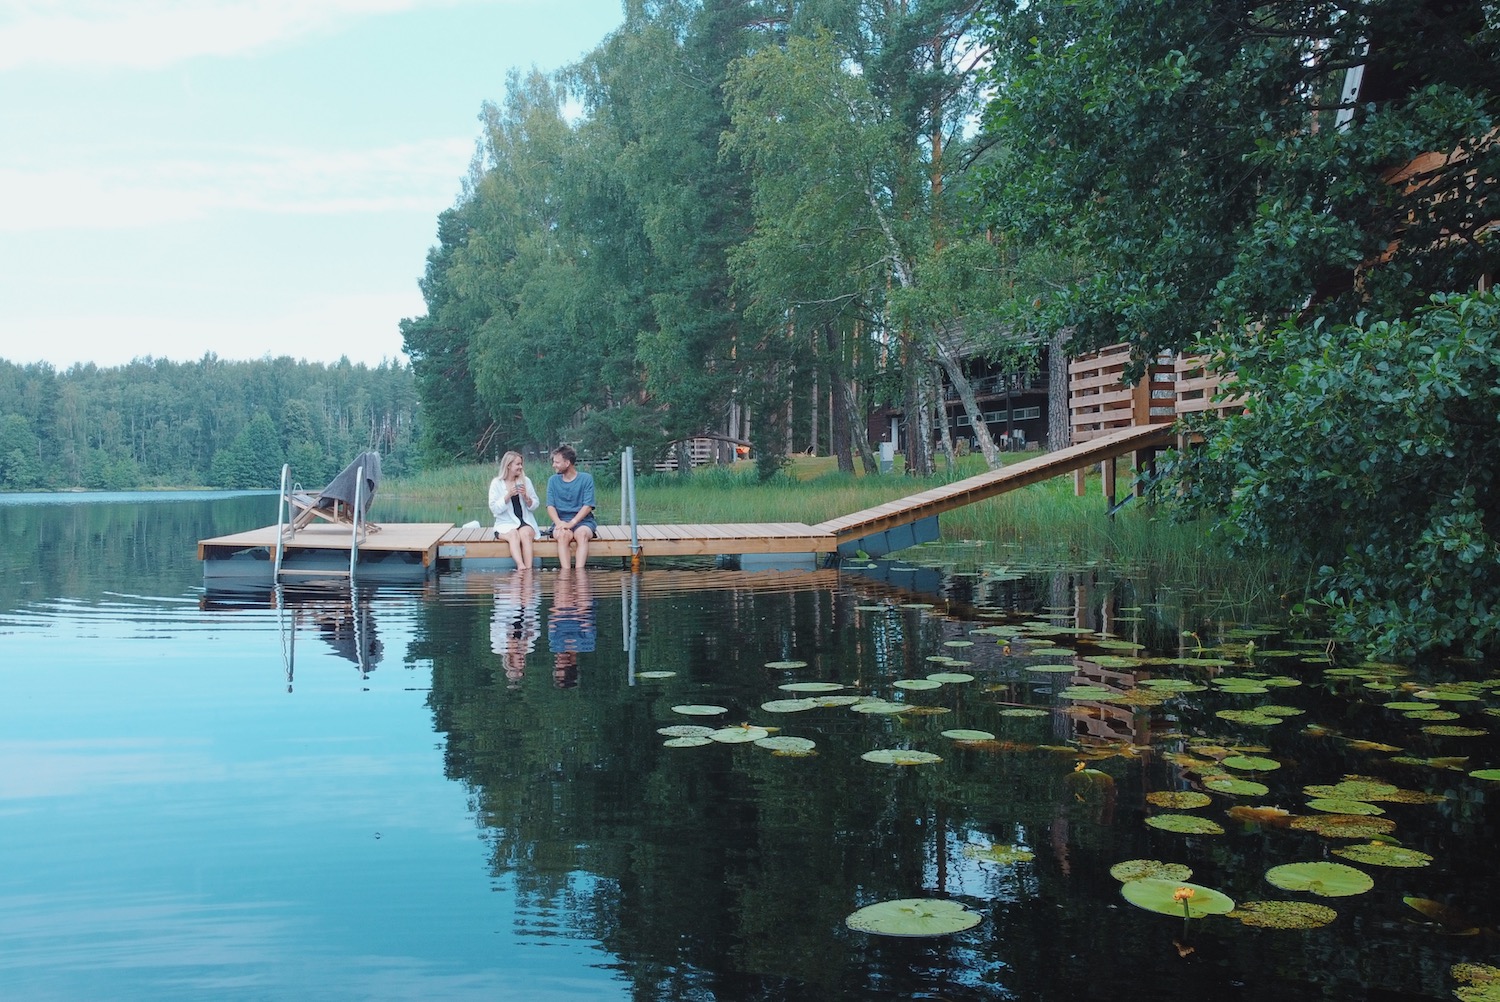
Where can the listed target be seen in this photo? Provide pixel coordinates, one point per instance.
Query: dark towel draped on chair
(336, 501)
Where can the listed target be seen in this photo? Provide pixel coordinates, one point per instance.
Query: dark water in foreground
(417, 794)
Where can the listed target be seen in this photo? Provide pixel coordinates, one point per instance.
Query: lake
(462, 789)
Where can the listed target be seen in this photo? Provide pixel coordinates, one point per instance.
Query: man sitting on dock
(570, 503)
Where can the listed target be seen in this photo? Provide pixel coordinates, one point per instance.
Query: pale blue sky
(247, 177)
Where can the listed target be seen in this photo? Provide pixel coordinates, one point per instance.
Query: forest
(156, 423)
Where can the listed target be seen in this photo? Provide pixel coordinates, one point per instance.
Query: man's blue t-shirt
(570, 498)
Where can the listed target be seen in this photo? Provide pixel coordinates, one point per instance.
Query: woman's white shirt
(504, 511)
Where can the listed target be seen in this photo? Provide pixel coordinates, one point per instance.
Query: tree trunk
(953, 366)
(840, 418)
(940, 415)
(812, 437)
(1059, 420)
(859, 428)
(918, 445)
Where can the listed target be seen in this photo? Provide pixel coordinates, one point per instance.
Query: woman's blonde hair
(505, 462)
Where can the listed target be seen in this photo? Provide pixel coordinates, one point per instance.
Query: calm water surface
(458, 790)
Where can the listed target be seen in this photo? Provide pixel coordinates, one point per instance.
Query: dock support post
(359, 489)
(627, 505)
(283, 506)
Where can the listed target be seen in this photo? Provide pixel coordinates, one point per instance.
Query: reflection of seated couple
(570, 624)
(513, 626)
(570, 505)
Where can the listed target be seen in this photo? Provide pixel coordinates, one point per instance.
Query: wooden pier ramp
(404, 550)
(913, 519)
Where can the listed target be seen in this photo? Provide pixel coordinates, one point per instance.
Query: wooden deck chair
(335, 503)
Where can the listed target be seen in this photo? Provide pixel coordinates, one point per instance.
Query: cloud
(151, 34)
(134, 188)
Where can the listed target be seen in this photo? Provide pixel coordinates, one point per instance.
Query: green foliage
(253, 460)
(157, 423)
(20, 467)
(1198, 155)
(1370, 457)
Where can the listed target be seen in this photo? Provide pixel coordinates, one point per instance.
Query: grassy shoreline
(1042, 518)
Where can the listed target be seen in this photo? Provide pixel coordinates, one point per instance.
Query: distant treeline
(209, 423)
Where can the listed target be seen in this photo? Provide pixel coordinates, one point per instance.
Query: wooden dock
(401, 551)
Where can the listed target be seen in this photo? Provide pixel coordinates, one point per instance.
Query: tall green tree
(849, 135)
(1245, 162)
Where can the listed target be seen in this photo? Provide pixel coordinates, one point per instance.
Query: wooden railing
(1100, 402)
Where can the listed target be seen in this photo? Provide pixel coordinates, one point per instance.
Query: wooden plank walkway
(687, 540)
(916, 507)
(430, 543)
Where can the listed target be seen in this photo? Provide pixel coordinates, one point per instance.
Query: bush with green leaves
(1369, 455)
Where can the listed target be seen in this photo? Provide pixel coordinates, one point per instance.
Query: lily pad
(790, 705)
(1329, 880)
(1250, 718)
(1344, 825)
(786, 743)
(1052, 669)
(786, 665)
(878, 706)
(1452, 731)
(1432, 715)
(1481, 982)
(1284, 914)
(688, 741)
(913, 917)
(1025, 711)
(1185, 824)
(1329, 805)
(1384, 854)
(1173, 685)
(685, 731)
(739, 735)
(1093, 692)
(1178, 799)
(961, 734)
(655, 674)
(1490, 774)
(1168, 898)
(1250, 763)
(1354, 788)
(950, 677)
(901, 756)
(1139, 869)
(1114, 661)
(917, 683)
(810, 687)
(1238, 787)
(700, 710)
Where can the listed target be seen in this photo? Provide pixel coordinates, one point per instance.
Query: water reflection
(175, 814)
(570, 625)
(514, 622)
(344, 621)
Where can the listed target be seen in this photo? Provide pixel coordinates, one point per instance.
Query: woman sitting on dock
(512, 501)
